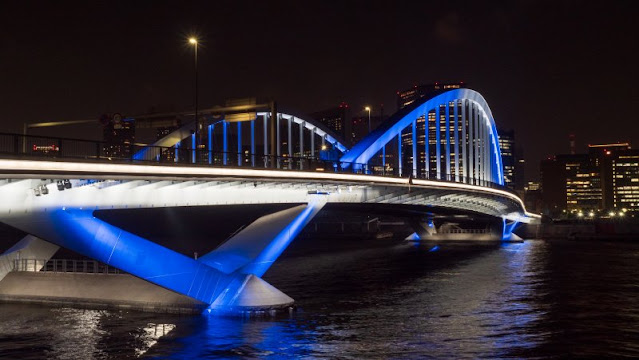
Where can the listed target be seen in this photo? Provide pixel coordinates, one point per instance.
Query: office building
(335, 119)
(508, 157)
(118, 136)
(408, 96)
(601, 180)
(625, 180)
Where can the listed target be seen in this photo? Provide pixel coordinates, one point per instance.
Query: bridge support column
(29, 254)
(211, 128)
(250, 253)
(227, 278)
(508, 228)
(266, 153)
(426, 145)
(278, 142)
(438, 143)
(464, 142)
(225, 142)
(456, 135)
(239, 143)
(414, 140)
(447, 152)
(193, 149)
(80, 231)
(399, 154)
(477, 145)
(301, 166)
(253, 143)
(424, 228)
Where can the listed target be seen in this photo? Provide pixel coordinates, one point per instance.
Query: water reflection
(79, 335)
(535, 299)
(150, 336)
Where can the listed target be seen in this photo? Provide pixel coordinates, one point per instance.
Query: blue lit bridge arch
(450, 136)
(250, 143)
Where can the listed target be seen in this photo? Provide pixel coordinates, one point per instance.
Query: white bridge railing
(64, 266)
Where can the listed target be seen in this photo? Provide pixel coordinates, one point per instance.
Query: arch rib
(362, 152)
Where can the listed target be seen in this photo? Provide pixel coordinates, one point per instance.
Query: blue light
(508, 228)
(225, 142)
(210, 141)
(268, 256)
(374, 141)
(434, 248)
(79, 231)
(193, 148)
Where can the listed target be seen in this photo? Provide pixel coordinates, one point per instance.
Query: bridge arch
(460, 140)
(295, 138)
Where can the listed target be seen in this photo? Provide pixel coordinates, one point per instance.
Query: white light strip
(132, 170)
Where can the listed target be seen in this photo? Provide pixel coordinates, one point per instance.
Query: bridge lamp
(592, 214)
(193, 41)
(368, 108)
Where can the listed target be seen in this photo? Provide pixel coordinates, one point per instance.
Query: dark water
(532, 300)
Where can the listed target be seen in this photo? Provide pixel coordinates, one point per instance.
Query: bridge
(275, 158)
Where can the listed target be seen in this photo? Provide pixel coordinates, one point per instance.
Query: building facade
(625, 180)
(335, 119)
(408, 96)
(118, 136)
(605, 180)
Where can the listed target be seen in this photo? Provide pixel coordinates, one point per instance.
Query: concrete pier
(95, 291)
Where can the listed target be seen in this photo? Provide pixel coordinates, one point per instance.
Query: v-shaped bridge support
(226, 278)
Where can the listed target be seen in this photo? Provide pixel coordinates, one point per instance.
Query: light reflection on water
(529, 300)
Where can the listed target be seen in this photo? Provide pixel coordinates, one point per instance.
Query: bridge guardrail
(64, 266)
(47, 147)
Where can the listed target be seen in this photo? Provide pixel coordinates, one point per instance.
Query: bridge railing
(64, 266)
(47, 147)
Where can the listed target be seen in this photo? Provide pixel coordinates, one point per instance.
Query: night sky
(547, 69)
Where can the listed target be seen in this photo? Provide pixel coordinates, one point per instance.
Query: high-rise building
(600, 180)
(508, 158)
(602, 155)
(408, 96)
(625, 180)
(570, 183)
(426, 156)
(118, 136)
(335, 119)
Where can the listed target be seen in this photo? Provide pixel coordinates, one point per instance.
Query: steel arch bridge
(462, 145)
(451, 137)
(456, 168)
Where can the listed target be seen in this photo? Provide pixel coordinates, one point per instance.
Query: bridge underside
(77, 213)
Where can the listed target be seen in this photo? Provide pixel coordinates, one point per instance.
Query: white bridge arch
(466, 121)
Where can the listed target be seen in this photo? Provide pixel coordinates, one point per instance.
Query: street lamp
(193, 41)
(368, 108)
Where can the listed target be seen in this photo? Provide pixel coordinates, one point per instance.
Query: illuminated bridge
(274, 158)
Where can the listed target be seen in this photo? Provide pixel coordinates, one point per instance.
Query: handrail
(64, 266)
(58, 148)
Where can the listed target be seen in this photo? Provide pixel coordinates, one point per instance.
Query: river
(536, 299)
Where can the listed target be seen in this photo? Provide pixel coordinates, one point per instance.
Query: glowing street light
(193, 41)
(368, 108)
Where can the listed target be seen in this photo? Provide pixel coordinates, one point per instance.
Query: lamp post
(368, 108)
(193, 41)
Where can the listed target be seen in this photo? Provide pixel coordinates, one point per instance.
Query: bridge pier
(508, 228)
(228, 278)
(426, 229)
